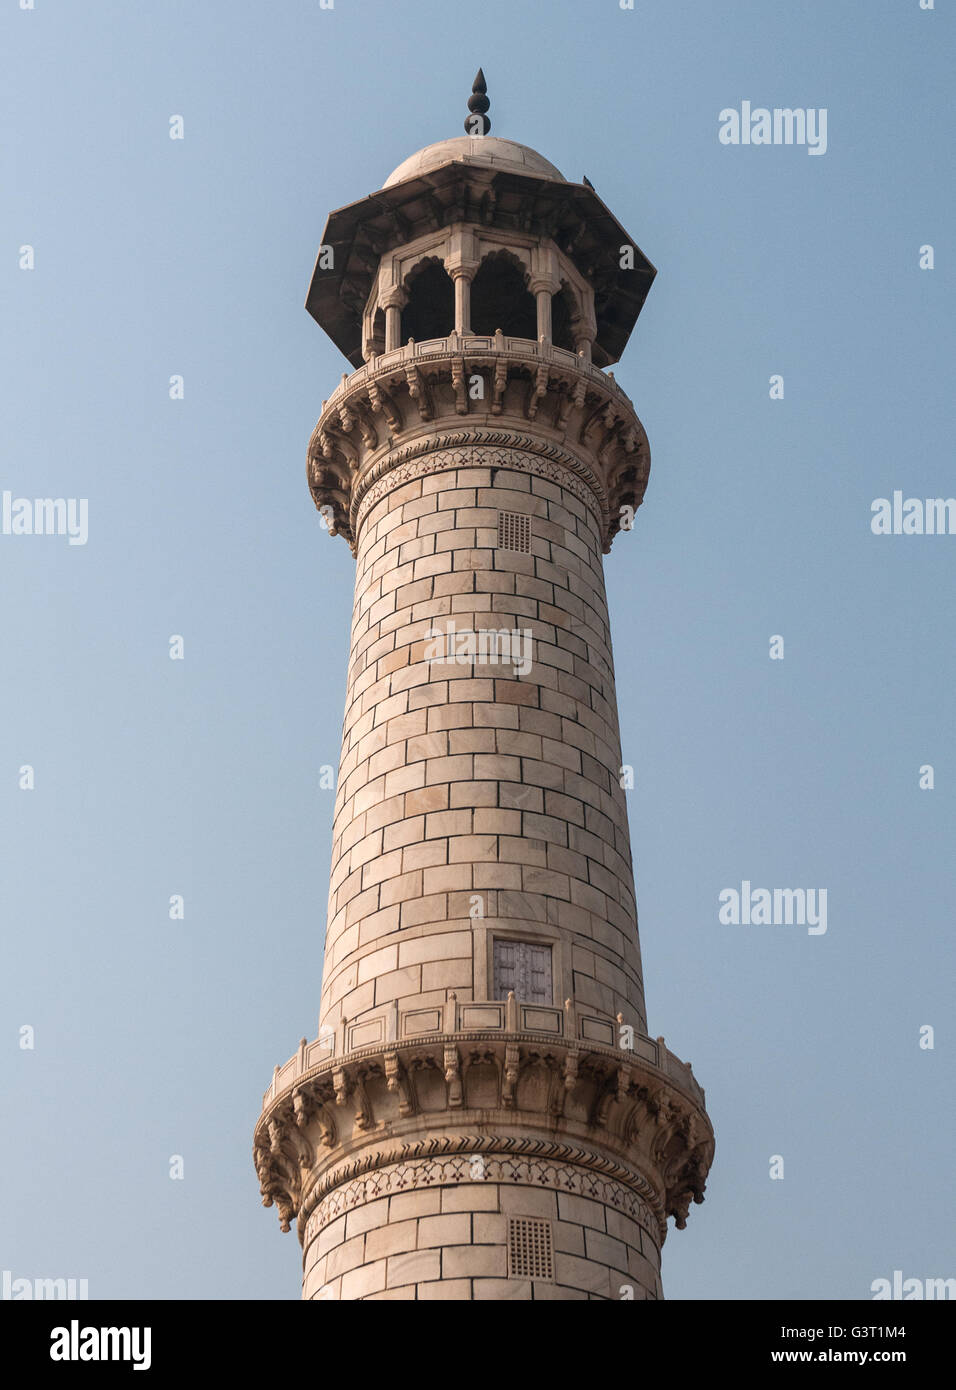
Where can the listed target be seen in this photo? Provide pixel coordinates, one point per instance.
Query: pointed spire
(478, 123)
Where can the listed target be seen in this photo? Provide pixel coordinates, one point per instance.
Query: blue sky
(201, 777)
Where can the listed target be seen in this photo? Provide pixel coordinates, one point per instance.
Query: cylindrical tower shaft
(479, 793)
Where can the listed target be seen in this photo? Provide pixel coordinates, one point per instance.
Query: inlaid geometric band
(443, 453)
(476, 1168)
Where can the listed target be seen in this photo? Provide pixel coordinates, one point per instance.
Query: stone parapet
(490, 1016)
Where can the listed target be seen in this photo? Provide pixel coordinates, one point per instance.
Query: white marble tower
(482, 1114)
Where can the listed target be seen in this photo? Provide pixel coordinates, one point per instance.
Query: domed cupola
(469, 226)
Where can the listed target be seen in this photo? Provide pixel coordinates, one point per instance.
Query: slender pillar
(393, 304)
(462, 276)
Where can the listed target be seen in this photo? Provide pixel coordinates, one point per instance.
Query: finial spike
(477, 123)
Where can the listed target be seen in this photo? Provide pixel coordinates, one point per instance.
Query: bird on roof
(587, 181)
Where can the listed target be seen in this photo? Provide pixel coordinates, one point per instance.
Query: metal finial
(478, 123)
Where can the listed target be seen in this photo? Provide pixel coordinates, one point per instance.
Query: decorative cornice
(583, 423)
(356, 1113)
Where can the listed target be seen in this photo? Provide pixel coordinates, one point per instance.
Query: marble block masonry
(482, 1114)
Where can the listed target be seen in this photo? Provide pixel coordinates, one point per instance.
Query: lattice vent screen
(514, 532)
(530, 1254)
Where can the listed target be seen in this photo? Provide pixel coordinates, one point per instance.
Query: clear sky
(200, 777)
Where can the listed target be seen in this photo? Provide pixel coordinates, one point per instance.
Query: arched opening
(562, 312)
(501, 299)
(430, 311)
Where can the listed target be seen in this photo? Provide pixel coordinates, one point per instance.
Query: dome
(489, 151)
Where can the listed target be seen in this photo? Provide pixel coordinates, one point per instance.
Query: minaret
(482, 1114)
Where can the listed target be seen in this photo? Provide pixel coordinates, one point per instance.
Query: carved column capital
(543, 284)
(394, 297)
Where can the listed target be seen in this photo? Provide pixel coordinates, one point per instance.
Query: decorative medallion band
(472, 1160)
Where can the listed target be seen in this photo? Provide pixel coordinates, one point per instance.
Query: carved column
(462, 276)
(393, 302)
(543, 305)
(543, 284)
(461, 262)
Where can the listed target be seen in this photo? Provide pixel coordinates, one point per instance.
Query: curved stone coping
(308, 1064)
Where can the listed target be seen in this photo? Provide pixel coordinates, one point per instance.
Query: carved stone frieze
(479, 449)
(487, 1158)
